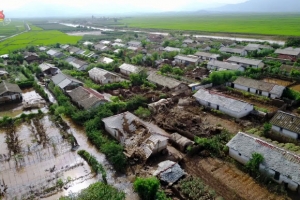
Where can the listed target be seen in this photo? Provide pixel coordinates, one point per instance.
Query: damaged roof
(46, 66)
(169, 172)
(260, 85)
(275, 158)
(287, 121)
(163, 80)
(9, 87)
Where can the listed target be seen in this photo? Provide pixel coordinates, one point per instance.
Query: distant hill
(262, 6)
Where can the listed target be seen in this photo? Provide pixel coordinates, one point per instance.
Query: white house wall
(285, 132)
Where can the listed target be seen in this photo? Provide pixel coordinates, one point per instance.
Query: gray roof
(130, 68)
(253, 47)
(287, 121)
(9, 87)
(86, 97)
(163, 80)
(42, 48)
(192, 59)
(169, 171)
(78, 63)
(118, 44)
(70, 59)
(100, 46)
(275, 158)
(224, 65)
(260, 85)
(242, 60)
(289, 51)
(205, 54)
(63, 80)
(134, 43)
(74, 49)
(132, 48)
(218, 99)
(52, 52)
(189, 41)
(170, 49)
(46, 66)
(231, 50)
(101, 73)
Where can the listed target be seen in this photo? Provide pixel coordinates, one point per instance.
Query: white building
(286, 124)
(232, 107)
(172, 49)
(136, 44)
(139, 138)
(259, 87)
(280, 165)
(102, 76)
(186, 59)
(128, 69)
(219, 65)
(206, 56)
(246, 62)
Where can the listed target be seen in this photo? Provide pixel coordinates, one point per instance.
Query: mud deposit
(34, 158)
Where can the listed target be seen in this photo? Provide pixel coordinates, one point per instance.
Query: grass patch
(36, 38)
(13, 28)
(263, 24)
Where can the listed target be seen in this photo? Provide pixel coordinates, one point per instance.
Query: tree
(142, 112)
(293, 42)
(146, 187)
(267, 127)
(166, 69)
(138, 79)
(253, 164)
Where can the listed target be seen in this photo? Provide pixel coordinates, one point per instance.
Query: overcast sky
(118, 5)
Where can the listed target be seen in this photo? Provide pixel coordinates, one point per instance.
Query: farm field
(285, 25)
(36, 38)
(53, 26)
(13, 28)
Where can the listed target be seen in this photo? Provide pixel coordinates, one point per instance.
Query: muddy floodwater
(38, 157)
(277, 81)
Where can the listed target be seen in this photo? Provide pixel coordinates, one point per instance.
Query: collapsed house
(169, 172)
(140, 139)
(181, 142)
(160, 105)
(280, 165)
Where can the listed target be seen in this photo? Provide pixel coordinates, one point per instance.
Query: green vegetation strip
(264, 24)
(13, 28)
(92, 161)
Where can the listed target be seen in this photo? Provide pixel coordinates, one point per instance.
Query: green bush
(142, 112)
(253, 164)
(146, 187)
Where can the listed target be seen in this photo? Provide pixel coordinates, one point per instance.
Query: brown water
(277, 81)
(296, 88)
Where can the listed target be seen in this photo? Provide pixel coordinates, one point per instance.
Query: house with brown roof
(280, 165)
(292, 54)
(259, 87)
(87, 98)
(155, 38)
(286, 124)
(31, 57)
(10, 92)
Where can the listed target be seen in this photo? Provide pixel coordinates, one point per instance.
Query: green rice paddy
(13, 28)
(263, 24)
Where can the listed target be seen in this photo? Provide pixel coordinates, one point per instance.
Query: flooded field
(277, 81)
(34, 158)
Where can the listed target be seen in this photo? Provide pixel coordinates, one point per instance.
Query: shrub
(253, 164)
(142, 112)
(146, 187)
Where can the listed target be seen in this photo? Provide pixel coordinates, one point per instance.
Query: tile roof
(9, 87)
(253, 47)
(221, 100)
(163, 80)
(260, 85)
(63, 80)
(205, 54)
(130, 68)
(188, 58)
(78, 63)
(231, 50)
(100, 73)
(224, 65)
(116, 44)
(275, 158)
(287, 121)
(169, 171)
(242, 60)
(170, 49)
(138, 43)
(46, 66)
(289, 51)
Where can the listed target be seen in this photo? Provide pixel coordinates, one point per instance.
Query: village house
(105, 42)
(48, 69)
(205, 48)
(219, 65)
(139, 138)
(65, 47)
(116, 44)
(3, 72)
(102, 76)
(128, 69)
(232, 107)
(133, 48)
(170, 83)
(188, 41)
(78, 64)
(169, 172)
(74, 50)
(280, 165)
(55, 53)
(155, 38)
(87, 43)
(288, 53)
(171, 49)
(241, 52)
(256, 47)
(206, 56)
(87, 98)
(100, 47)
(258, 87)
(186, 59)
(136, 44)
(118, 40)
(10, 92)
(65, 82)
(246, 62)
(42, 48)
(286, 124)
(105, 60)
(31, 57)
